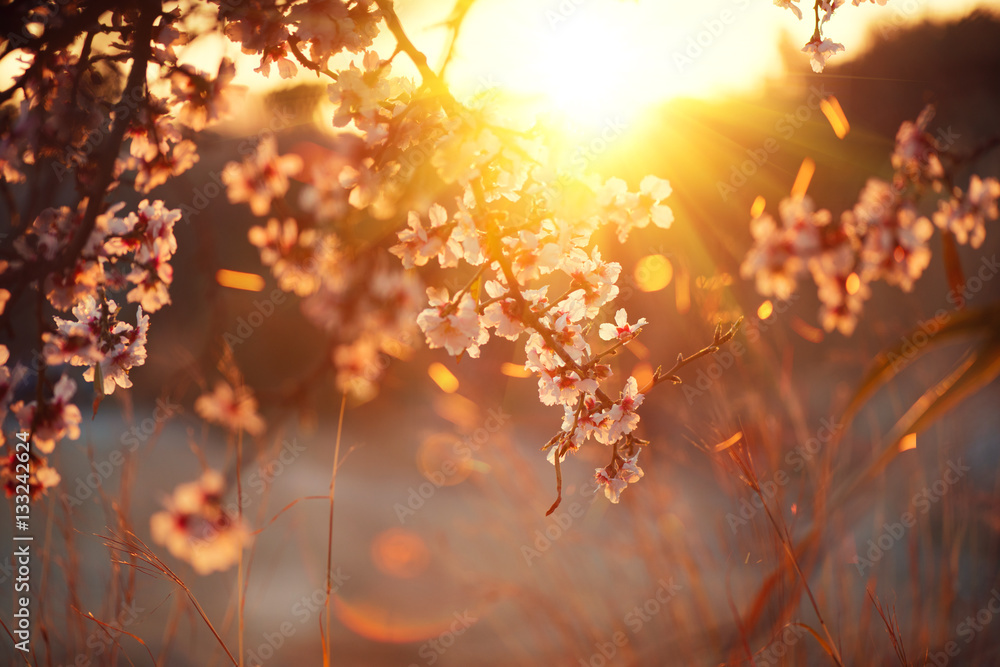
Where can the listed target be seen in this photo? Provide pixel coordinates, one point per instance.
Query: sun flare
(590, 71)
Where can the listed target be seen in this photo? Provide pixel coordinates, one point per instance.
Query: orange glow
(400, 553)
(638, 349)
(514, 370)
(441, 460)
(909, 441)
(853, 283)
(443, 377)
(765, 310)
(385, 624)
(643, 374)
(398, 349)
(803, 178)
(683, 290)
(653, 273)
(834, 114)
(807, 331)
(459, 410)
(757, 207)
(250, 282)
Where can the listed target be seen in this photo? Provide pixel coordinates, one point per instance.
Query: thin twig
(329, 543)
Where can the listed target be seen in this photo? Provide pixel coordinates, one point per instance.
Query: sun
(586, 64)
(591, 69)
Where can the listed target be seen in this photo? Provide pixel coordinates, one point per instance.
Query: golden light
(765, 309)
(803, 178)
(400, 553)
(683, 292)
(757, 207)
(909, 441)
(589, 69)
(443, 377)
(834, 114)
(458, 410)
(398, 349)
(514, 370)
(853, 283)
(384, 622)
(250, 282)
(638, 349)
(653, 273)
(643, 374)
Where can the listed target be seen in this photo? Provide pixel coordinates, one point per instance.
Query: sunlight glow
(683, 289)
(653, 273)
(590, 68)
(909, 441)
(803, 178)
(443, 459)
(643, 374)
(514, 370)
(443, 377)
(853, 283)
(765, 310)
(400, 553)
(250, 282)
(834, 114)
(757, 207)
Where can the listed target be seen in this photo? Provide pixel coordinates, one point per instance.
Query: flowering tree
(103, 104)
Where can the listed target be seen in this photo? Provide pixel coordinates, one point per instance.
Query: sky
(594, 59)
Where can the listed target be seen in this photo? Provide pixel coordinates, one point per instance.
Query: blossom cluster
(106, 103)
(118, 113)
(517, 264)
(883, 237)
(196, 528)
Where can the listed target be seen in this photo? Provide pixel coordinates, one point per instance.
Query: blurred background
(440, 542)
